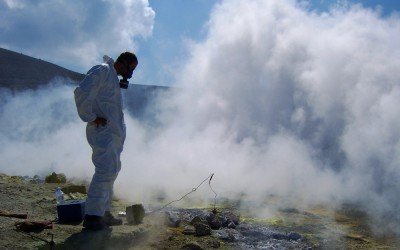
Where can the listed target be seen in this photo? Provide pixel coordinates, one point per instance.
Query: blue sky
(176, 22)
(74, 36)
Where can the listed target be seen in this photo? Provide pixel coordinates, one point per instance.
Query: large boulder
(172, 220)
(198, 219)
(202, 229)
(56, 178)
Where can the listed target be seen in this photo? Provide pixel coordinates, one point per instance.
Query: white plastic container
(59, 196)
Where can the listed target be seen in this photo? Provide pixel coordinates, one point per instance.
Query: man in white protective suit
(99, 103)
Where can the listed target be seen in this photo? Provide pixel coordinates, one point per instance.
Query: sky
(159, 32)
(286, 98)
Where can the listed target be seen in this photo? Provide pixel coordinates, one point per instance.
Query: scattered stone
(38, 179)
(192, 246)
(135, 214)
(74, 189)
(216, 223)
(172, 220)
(279, 236)
(230, 217)
(33, 180)
(247, 235)
(56, 178)
(198, 219)
(214, 243)
(231, 225)
(189, 230)
(202, 229)
(294, 236)
(229, 235)
(290, 236)
(209, 216)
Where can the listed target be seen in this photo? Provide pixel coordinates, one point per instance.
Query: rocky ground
(180, 228)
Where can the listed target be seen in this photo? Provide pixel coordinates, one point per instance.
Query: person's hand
(100, 121)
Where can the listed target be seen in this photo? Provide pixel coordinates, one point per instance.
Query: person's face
(129, 70)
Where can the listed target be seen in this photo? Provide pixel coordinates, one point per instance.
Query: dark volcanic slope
(18, 71)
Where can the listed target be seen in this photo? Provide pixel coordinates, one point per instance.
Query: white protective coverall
(99, 95)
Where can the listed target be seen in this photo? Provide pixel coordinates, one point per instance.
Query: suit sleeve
(86, 93)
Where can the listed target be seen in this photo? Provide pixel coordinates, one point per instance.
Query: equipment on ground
(33, 226)
(71, 211)
(14, 215)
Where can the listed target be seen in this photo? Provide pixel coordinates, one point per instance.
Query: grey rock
(38, 179)
(172, 220)
(189, 230)
(214, 243)
(279, 236)
(230, 217)
(216, 222)
(229, 235)
(294, 236)
(209, 216)
(290, 236)
(202, 229)
(231, 225)
(223, 219)
(198, 219)
(192, 246)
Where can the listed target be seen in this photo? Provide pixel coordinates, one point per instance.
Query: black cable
(209, 178)
(215, 197)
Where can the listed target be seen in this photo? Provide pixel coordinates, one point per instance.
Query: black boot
(93, 222)
(110, 220)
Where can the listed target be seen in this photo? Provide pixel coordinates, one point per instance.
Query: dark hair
(127, 57)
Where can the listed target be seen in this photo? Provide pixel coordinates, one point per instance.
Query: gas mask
(123, 83)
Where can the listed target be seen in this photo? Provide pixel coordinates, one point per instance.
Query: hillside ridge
(19, 71)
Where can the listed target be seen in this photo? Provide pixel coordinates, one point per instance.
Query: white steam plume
(279, 99)
(40, 133)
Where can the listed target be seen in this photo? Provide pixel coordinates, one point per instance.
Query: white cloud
(14, 4)
(74, 34)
